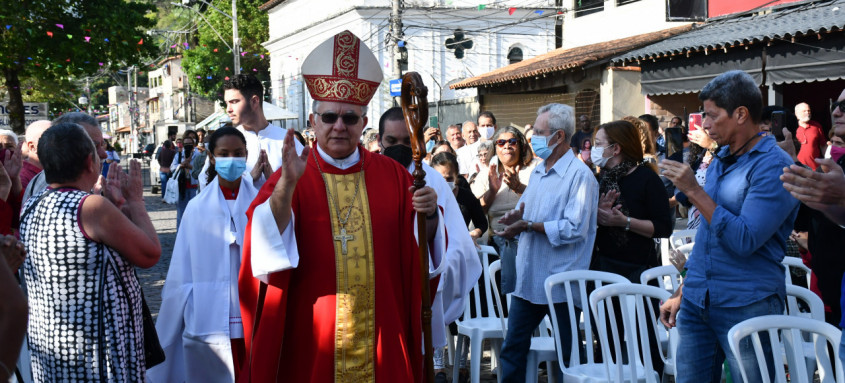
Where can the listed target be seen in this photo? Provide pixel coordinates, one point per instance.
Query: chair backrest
(638, 313)
(494, 268)
(682, 237)
(481, 294)
(668, 277)
(686, 249)
(787, 332)
(579, 279)
(796, 294)
(790, 263)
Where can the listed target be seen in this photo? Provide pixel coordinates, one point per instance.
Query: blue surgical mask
(429, 146)
(540, 145)
(230, 168)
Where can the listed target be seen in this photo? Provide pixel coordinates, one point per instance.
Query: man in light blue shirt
(735, 271)
(556, 222)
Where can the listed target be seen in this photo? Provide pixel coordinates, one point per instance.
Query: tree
(209, 61)
(56, 42)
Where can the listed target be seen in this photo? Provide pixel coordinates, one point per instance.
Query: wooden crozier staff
(415, 108)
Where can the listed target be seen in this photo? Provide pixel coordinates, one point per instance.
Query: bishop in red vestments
(332, 235)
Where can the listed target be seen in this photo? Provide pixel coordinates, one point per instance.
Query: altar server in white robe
(199, 323)
(460, 263)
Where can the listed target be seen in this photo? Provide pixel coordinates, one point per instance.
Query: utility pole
(396, 34)
(88, 94)
(236, 41)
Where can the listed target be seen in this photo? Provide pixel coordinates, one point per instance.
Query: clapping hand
(513, 215)
(494, 180)
(511, 178)
(514, 222)
(112, 189)
(677, 259)
(816, 190)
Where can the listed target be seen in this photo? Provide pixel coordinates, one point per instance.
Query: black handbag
(153, 353)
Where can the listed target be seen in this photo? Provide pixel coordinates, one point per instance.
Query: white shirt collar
(340, 163)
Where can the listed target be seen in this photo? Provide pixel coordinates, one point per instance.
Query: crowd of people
(296, 254)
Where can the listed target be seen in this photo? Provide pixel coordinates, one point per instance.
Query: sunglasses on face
(511, 141)
(331, 118)
(838, 104)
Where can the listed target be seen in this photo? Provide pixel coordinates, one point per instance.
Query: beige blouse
(506, 198)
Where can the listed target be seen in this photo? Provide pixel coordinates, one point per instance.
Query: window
(586, 7)
(623, 2)
(514, 55)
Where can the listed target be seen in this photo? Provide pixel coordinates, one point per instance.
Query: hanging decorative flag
(106, 40)
(401, 43)
(173, 46)
(29, 58)
(8, 27)
(208, 78)
(60, 26)
(227, 78)
(68, 60)
(141, 42)
(254, 70)
(199, 76)
(227, 68)
(511, 11)
(262, 57)
(243, 54)
(50, 34)
(215, 49)
(481, 6)
(69, 37)
(87, 39)
(539, 12)
(101, 64)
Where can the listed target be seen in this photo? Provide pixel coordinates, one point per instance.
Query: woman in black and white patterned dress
(85, 320)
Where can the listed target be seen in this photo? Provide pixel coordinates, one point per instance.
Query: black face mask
(189, 149)
(399, 153)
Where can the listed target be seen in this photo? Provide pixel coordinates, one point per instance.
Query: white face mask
(489, 131)
(597, 156)
(451, 185)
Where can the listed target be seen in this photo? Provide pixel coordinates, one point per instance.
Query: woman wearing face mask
(188, 185)
(199, 323)
(498, 188)
(633, 207)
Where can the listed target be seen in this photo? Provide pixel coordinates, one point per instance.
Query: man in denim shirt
(734, 272)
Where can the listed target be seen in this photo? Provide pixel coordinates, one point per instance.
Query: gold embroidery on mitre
(346, 48)
(355, 310)
(327, 88)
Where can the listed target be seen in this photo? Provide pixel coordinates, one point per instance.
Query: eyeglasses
(502, 143)
(838, 104)
(331, 118)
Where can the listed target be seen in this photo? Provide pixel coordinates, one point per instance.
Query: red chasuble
(296, 338)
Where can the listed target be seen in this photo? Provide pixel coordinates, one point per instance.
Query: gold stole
(355, 313)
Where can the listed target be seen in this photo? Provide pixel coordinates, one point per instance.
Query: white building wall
(614, 22)
(295, 29)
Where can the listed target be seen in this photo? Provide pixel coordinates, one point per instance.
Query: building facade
(171, 106)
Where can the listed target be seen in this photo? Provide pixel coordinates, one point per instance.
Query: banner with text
(33, 111)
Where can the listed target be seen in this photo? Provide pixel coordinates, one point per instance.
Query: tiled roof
(782, 22)
(562, 59)
(270, 4)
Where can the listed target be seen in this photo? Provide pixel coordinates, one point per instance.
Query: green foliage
(46, 46)
(202, 60)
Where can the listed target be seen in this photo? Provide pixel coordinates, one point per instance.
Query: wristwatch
(628, 225)
(529, 228)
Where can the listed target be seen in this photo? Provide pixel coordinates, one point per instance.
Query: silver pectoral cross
(343, 238)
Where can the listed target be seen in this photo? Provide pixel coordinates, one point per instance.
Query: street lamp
(236, 42)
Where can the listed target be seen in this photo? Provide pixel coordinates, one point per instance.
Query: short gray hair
(316, 104)
(6, 132)
(78, 118)
(733, 89)
(561, 117)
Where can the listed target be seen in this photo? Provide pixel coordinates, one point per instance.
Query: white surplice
(193, 323)
(460, 263)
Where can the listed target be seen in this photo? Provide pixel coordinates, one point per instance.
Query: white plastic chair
(637, 314)
(786, 332)
(682, 237)
(479, 326)
(591, 369)
(794, 262)
(686, 249)
(668, 277)
(542, 346)
(794, 295)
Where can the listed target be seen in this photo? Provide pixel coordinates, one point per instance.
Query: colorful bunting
(69, 37)
(8, 27)
(50, 34)
(511, 11)
(141, 42)
(215, 49)
(481, 6)
(60, 26)
(539, 12)
(87, 39)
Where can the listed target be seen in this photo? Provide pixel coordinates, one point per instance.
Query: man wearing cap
(346, 307)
